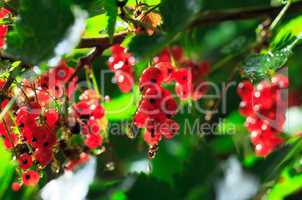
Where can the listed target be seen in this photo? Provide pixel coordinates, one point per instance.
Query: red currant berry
(140, 119)
(169, 128)
(98, 112)
(16, 186)
(93, 141)
(167, 71)
(263, 150)
(150, 77)
(30, 178)
(245, 90)
(25, 161)
(52, 117)
(152, 139)
(43, 156)
(280, 81)
(124, 80)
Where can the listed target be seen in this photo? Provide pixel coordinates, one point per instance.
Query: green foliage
(111, 8)
(147, 46)
(177, 14)
(6, 170)
(263, 66)
(150, 188)
(40, 27)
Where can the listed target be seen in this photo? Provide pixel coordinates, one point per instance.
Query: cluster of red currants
(264, 106)
(38, 129)
(157, 105)
(3, 28)
(121, 63)
(189, 76)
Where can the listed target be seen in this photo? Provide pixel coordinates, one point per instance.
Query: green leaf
(150, 188)
(270, 168)
(111, 8)
(122, 107)
(289, 185)
(40, 27)
(285, 40)
(147, 46)
(177, 14)
(288, 32)
(262, 66)
(201, 169)
(6, 170)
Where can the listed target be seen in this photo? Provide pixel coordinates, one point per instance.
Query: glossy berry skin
(152, 139)
(265, 111)
(25, 161)
(43, 156)
(30, 178)
(124, 80)
(98, 112)
(169, 128)
(245, 90)
(183, 76)
(280, 81)
(140, 119)
(16, 186)
(93, 141)
(151, 77)
(121, 63)
(52, 117)
(167, 71)
(3, 28)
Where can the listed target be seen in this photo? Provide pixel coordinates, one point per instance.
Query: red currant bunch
(87, 116)
(189, 80)
(189, 77)
(167, 55)
(264, 106)
(157, 105)
(38, 129)
(121, 63)
(3, 28)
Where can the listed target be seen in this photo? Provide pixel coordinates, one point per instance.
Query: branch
(204, 18)
(103, 42)
(212, 17)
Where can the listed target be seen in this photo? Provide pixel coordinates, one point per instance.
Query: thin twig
(212, 17)
(103, 42)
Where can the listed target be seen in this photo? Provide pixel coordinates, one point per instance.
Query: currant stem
(280, 15)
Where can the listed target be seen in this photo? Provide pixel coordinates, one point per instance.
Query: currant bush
(175, 67)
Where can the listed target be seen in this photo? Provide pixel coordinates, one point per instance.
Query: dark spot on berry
(152, 131)
(45, 144)
(27, 176)
(24, 162)
(84, 117)
(34, 139)
(168, 116)
(170, 71)
(152, 101)
(153, 80)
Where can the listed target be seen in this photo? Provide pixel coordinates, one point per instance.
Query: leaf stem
(280, 15)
